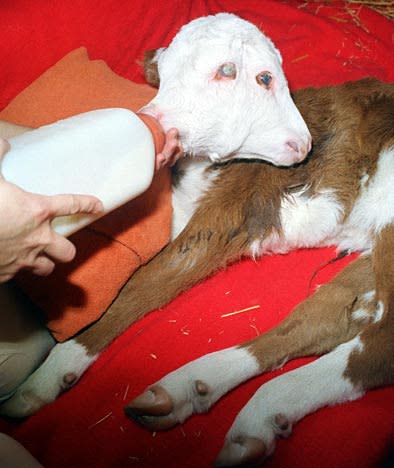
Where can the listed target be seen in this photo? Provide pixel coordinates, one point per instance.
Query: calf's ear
(151, 71)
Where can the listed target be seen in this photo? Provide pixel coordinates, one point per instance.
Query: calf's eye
(264, 79)
(227, 71)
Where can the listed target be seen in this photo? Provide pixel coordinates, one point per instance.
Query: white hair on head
(223, 87)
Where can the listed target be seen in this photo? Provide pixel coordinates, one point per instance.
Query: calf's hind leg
(335, 314)
(283, 401)
(344, 374)
(373, 365)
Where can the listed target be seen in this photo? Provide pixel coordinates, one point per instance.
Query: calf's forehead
(206, 56)
(212, 40)
(220, 25)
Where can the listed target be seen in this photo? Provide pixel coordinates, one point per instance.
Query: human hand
(171, 151)
(27, 239)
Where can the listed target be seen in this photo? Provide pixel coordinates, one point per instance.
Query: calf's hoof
(152, 409)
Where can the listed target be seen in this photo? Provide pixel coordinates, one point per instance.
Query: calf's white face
(222, 86)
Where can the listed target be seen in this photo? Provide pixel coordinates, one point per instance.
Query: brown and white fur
(342, 195)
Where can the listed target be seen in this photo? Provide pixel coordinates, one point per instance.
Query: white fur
(296, 394)
(220, 371)
(303, 224)
(374, 208)
(186, 194)
(219, 118)
(317, 221)
(369, 296)
(379, 312)
(366, 314)
(363, 313)
(46, 383)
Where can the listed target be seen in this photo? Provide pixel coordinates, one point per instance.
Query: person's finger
(172, 143)
(42, 266)
(172, 136)
(175, 156)
(60, 249)
(4, 277)
(160, 161)
(63, 205)
(171, 151)
(8, 272)
(174, 148)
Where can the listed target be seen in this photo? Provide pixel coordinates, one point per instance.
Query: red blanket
(86, 426)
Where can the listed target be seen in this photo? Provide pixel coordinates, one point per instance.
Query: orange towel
(111, 249)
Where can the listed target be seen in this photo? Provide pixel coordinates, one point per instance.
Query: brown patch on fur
(346, 140)
(373, 366)
(220, 232)
(320, 323)
(289, 327)
(253, 207)
(150, 69)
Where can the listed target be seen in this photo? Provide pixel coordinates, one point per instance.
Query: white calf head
(222, 86)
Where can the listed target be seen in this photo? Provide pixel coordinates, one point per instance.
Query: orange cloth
(111, 249)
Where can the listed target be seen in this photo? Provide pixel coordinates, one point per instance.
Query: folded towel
(111, 249)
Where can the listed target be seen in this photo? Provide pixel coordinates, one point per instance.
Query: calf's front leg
(203, 247)
(333, 315)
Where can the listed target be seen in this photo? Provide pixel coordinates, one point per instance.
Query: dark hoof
(152, 410)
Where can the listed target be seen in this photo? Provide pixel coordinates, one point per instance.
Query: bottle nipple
(155, 129)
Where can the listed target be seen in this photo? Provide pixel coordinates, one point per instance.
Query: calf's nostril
(293, 145)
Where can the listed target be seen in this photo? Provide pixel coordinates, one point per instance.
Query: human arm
(27, 239)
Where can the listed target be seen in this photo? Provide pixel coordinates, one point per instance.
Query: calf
(342, 195)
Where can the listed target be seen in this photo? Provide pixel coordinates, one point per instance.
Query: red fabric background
(86, 426)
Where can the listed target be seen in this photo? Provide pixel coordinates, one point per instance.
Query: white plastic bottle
(109, 153)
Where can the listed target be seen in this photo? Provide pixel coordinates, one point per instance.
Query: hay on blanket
(385, 7)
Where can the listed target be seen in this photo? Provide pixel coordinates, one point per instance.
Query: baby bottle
(109, 153)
